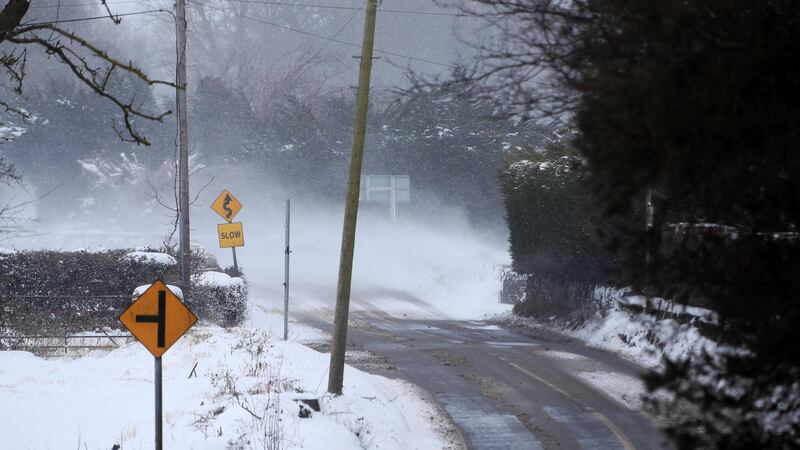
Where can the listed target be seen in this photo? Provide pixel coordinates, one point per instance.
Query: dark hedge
(43, 292)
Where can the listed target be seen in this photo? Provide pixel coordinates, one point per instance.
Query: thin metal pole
(286, 278)
(235, 262)
(392, 199)
(159, 441)
(339, 340)
(648, 243)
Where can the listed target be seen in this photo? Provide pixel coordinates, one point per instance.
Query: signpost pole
(157, 319)
(235, 263)
(159, 441)
(392, 199)
(286, 278)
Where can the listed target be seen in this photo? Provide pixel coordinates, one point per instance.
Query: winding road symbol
(228, 211)
(226, 205)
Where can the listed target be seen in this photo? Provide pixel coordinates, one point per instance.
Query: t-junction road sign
(158, 318)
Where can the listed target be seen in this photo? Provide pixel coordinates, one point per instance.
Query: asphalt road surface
(505, 390)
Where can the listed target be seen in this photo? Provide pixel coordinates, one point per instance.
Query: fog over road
(502, 390)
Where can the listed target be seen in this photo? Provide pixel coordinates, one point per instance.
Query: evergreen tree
(550, 216)
(694, 100)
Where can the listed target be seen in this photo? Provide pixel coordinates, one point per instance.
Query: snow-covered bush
(513, 290)
(64, 292)
(550, 216)
(59, 292)
(107, 272)
(561, 298)
(219, 298)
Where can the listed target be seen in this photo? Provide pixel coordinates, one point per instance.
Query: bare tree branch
(154, 195)
(200, 191)
(10, 220)
(90, 64)
(116, 19)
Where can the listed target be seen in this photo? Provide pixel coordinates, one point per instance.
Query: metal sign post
(392, 200)
(235, 262)
(159, 421)
(158, 319)
(286, 279)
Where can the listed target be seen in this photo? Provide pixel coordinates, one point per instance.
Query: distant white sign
(387, 189)
(379, 188)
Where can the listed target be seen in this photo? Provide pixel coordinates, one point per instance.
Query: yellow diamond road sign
(226, 205)
(158, 318)
(230, 235)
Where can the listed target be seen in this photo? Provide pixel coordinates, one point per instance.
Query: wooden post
(339, 341)
(184, 249)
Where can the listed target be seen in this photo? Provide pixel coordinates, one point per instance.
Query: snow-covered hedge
(550, 216)
(108, 272)
(45, 292)
(547, 297)
(219, 298)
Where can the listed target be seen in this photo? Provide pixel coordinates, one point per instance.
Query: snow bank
(640, 337)
(270, 320)
(235, 388)
(218, 279)
(703, 314)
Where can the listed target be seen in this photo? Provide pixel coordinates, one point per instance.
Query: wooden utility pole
(184, 249)
(339, 343)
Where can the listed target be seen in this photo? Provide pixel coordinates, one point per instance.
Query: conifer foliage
(696, 101)
(550, 216)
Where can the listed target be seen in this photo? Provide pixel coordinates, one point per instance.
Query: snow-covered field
(246, 385)
(243, 393)
(403, 270)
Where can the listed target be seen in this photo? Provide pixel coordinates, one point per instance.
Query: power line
(308, 33)
(279, 3)
(349, 8)
(74, 5)
(84, 19)
(323, 46)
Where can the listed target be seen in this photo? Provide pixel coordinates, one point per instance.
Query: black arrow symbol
(225, 204)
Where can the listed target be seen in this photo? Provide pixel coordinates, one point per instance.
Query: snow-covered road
(501, 389)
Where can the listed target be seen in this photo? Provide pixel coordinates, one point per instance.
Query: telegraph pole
(339, 342)
(184, 248)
